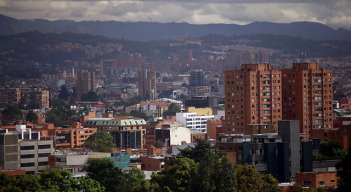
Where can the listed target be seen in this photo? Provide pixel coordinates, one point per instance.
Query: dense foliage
(54, 181)
(60, 114)
(32, 117)
(172, 110)
(113, 179)
(344, 173)
(330, 150)
(11, 113)
(101, 141)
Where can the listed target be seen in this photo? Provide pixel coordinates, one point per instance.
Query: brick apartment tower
(308, 96)
(253, 99)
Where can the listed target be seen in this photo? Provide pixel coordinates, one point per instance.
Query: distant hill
(145, 31)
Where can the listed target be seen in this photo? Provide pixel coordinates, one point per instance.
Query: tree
(201, 152)
(249, 180)
(215, 173)
(172, 110)
(176, 177)
(330, 150)
(101, 141)
(32, 117)
(11, 113)
(64, 94)
(53, 181)
(90, 96)
(344, 173)
(86, 184)
(60, 114)
(103, 171)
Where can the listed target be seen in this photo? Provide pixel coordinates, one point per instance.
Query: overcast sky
(335, 13)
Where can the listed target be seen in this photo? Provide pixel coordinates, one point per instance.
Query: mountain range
(147, 31)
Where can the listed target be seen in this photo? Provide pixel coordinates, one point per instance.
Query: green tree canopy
(53, 181)
(172, 110)
(90, 96)
(11, 113)
(330, 150)
(113, 179)
(64, 93)
(101, 141)
(60, 114)
(177, 176)
(344, 173)
(249, 180)
(32, 117)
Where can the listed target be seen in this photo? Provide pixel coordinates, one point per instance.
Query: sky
(335, 13)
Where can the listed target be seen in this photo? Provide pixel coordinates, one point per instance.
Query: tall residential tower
(308, 96)
(253, 101)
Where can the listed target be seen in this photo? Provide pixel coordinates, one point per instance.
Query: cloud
(332, 12)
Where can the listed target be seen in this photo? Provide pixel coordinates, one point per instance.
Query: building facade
(147, 82)
(86, 81)
(253, 99)
(193, 121)
(126, 133)
(308, 96)
(23, 149)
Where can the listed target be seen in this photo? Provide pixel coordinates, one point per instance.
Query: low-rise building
(193, 121)
(127, 133)
(152, 163)
(317, 179)
(172, 135)
(23, 149)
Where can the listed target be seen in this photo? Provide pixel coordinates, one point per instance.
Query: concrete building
(34, 155)
(214, 127)
(86, 81)
(152, 163)
(147, 83)
(198, 86)
(253, 99)
(267, 152)
(201, 110)
(9, 96)
(289, 133)
(31, 97)
(32, 152)
(35, 98)
(9, 159)
(317, 179)
(193, 121)
(127, 133)
(153, 108)
(308, 96)
(173, 135)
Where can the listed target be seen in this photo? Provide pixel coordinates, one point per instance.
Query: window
(27, 164)
(27, 147)
(43, 163)
(43, 154)
(44, 146)
(27, 156)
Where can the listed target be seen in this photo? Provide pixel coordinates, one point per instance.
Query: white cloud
(332, 12)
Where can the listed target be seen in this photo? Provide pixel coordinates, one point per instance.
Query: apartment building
(253, 99)
(29, 97)
(308, 96)
(23, 149)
